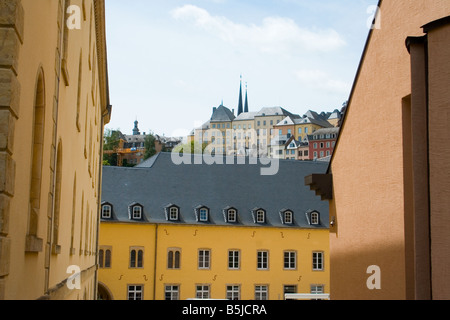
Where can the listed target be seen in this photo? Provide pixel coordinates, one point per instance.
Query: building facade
(54, 105)
(201, 235)
(388, 203)
(322, 143)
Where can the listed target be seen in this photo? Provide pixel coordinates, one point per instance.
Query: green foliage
(111, 143)
(149, 145)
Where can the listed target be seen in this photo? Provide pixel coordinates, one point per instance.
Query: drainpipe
(99, 195)
(154, 262)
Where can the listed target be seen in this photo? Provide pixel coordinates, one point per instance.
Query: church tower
(240, 106)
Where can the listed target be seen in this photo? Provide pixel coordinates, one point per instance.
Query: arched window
(173, 214)
(232, 215)
(136, 258)
(288, 217)
(260, 216)
(34, 244)
(174, 259)
(106, 211)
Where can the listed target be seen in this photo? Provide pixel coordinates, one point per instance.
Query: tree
(112, 142)
(149, 145)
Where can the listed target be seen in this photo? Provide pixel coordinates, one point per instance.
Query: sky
(171, 61)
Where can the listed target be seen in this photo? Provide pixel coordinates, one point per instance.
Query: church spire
(246, 99)
(240, 107)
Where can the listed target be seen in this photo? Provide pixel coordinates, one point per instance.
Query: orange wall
(369, 200)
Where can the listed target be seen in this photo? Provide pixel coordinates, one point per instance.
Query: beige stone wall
(53, 96)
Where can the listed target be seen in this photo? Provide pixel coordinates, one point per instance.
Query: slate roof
(158, 183)
(222, 114)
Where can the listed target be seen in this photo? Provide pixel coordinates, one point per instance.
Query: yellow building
(54, 104)
(189, 232)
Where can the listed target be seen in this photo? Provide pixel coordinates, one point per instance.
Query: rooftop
(159, 183)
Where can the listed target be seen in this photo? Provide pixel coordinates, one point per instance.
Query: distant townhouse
(322, 143)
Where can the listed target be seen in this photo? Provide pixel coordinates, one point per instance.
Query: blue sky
(172, 61)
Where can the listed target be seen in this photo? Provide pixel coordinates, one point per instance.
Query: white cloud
(273, 35)
(318, 79)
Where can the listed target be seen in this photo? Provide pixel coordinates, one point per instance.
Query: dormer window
(259, 216)
(202, 214)
(232, 215)
(288, 217)
(106, 211)
(313, 217)
(174, 214)
(137, 213)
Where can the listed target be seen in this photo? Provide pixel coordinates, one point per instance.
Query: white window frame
(318, 261)
(109, 209)
(289, 214)
(203, 215)
(234, 259)
(232, 212)
(174, 213)
(173, 291)
(261, 292)
(233, 292)
(290, 260)
(135, 291)
(262, 260)
(204, 259)
(260, 216)
(203, 291)
(315, 218)
(137, 215)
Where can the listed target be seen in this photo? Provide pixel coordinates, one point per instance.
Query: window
(290, 260)
(137, 213)
(317, 289)
(172, 292)
(232, 215)
(261, 292)
(233, 292)
(173, 259)
(104, 257)
(173, 214)
(317, 261)
(106, 211)
(136, 258)
(288, 217)
(202, 292)
(290, 289)
(260, 216)
(233, 259)
(299, 130)
(204, 215)
(263, 260)
(315, 145)
(315, 218)
(135, 293)
(204, 259)
(37, 156)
